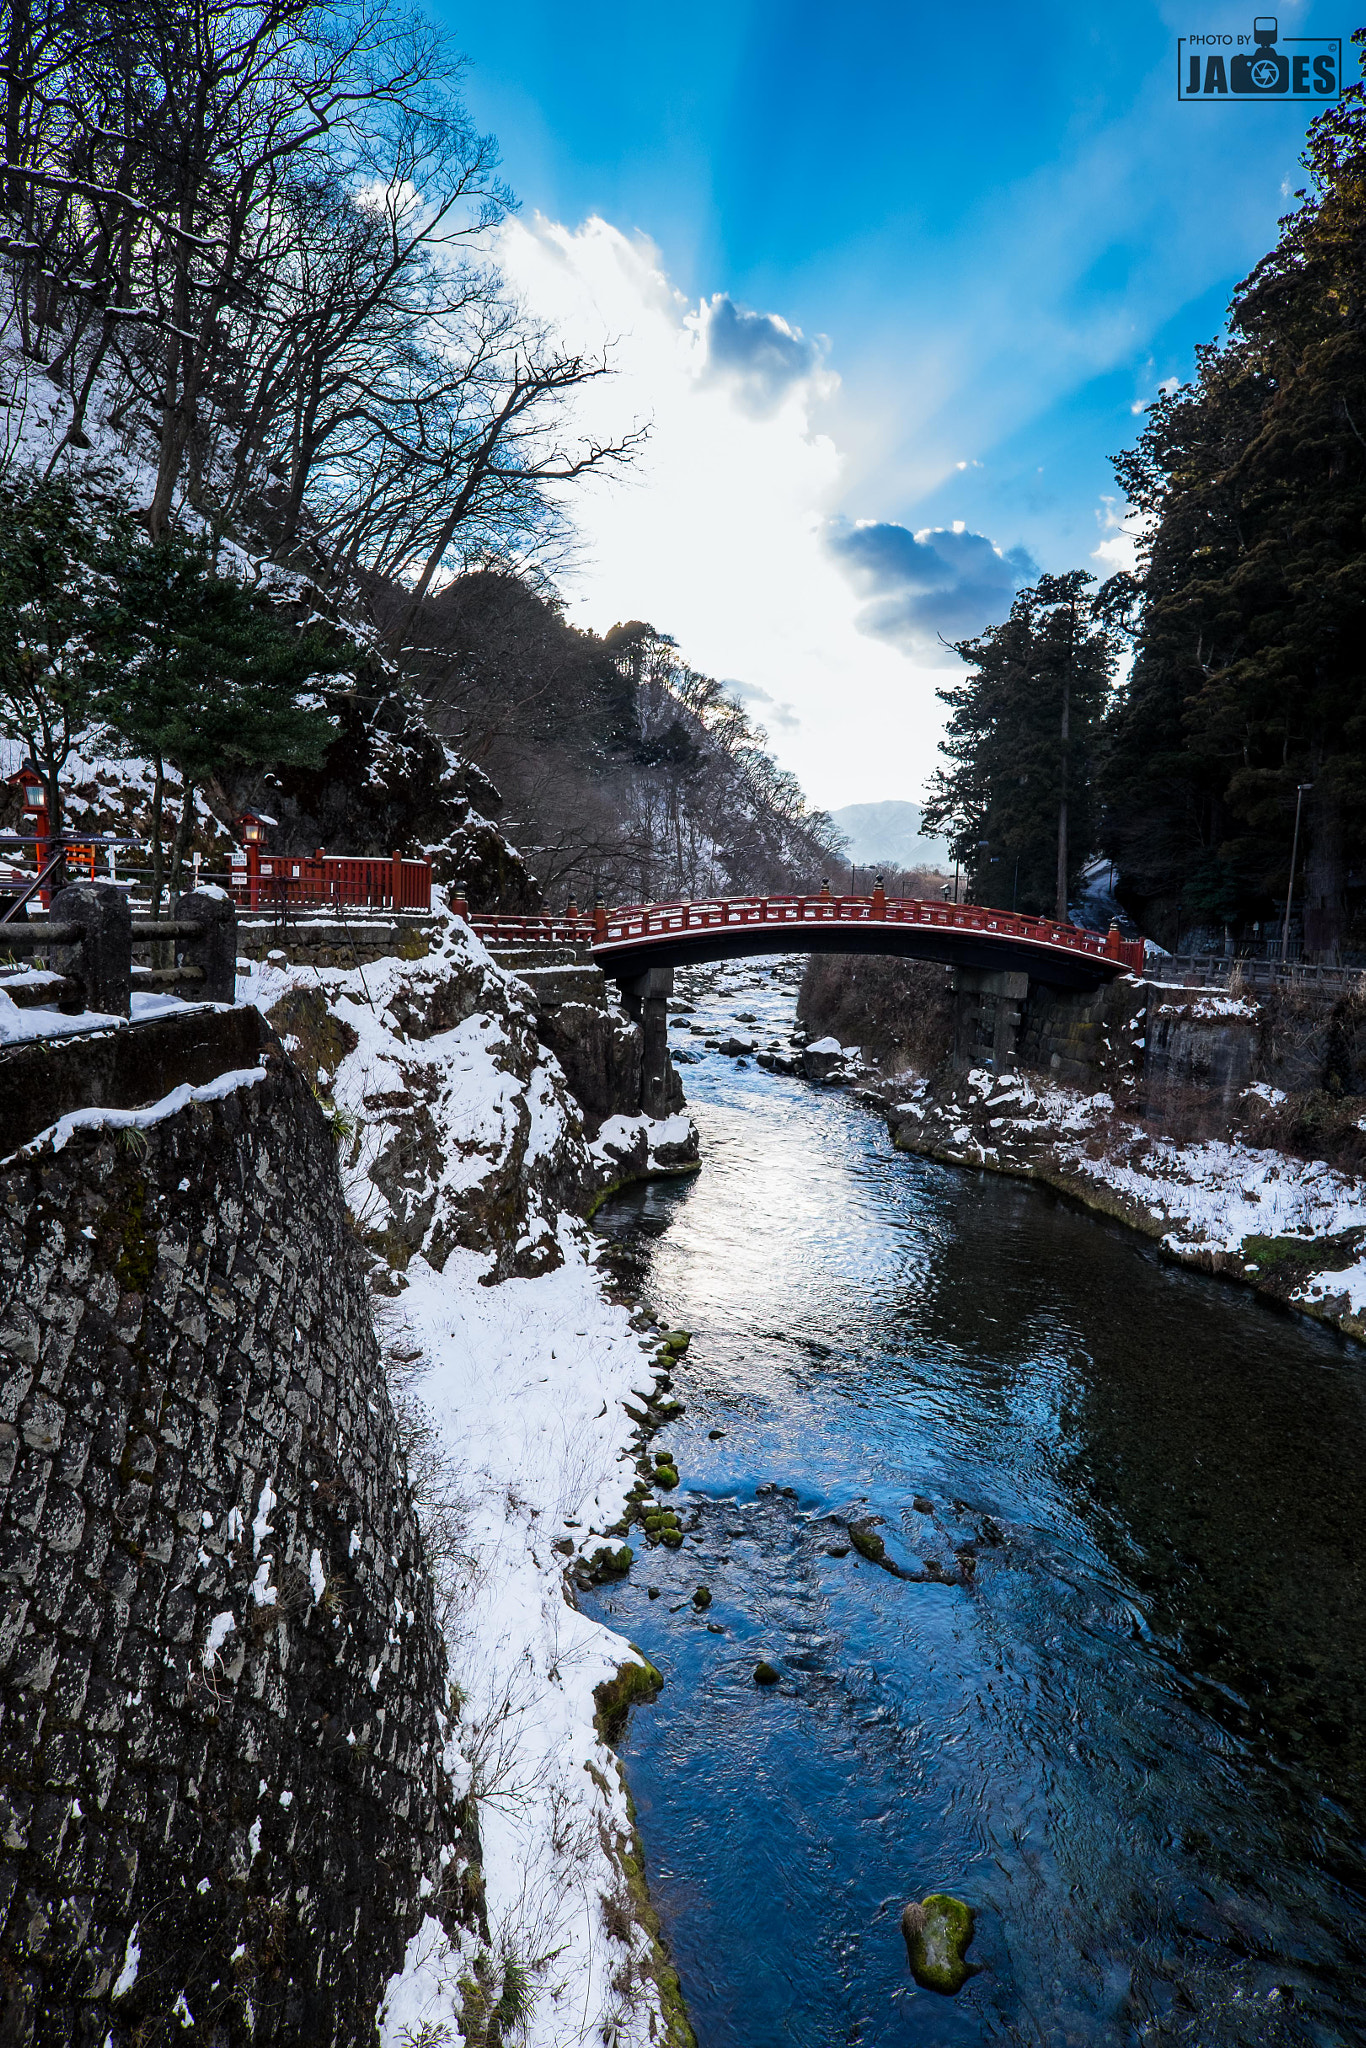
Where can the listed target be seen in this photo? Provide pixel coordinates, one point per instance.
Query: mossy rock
(673, 1538)
(608, 1564)
(867, 1542)
(320, 1038)
(677, 1341)
(667, 1477)
(701, 1599)
(664, 1457)
(938, 1931)
(616, 1696)
(766, 1674)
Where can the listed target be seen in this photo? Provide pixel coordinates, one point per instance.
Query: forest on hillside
(288, 471)
(1202, 723)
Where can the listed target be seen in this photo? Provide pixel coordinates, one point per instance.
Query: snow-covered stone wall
(222, 1792)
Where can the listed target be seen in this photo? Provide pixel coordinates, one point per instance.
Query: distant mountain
(889, 832)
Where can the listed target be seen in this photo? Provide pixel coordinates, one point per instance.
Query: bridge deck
(631, 941)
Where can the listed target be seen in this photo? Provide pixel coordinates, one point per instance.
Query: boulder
(937, 1930)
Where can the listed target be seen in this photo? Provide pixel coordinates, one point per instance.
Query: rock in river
(938, 1930)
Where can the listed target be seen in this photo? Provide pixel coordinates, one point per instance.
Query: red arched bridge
(629, 943)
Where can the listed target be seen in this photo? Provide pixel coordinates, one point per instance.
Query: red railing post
(253, 875)
(599, 920)
(459, 907)
(879, 899)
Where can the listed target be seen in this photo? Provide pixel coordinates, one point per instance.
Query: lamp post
(1300, 788)
(253, 829)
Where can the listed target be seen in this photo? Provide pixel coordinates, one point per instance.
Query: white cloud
(1122, 528)
(769, 711)
(926, 589)
(718, 533)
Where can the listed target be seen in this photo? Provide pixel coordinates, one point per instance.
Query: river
(1127, 1728)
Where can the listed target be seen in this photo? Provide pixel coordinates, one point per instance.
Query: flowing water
(1126, 1729)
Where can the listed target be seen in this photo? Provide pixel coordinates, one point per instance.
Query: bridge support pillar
(646, 999)
(987, 1012)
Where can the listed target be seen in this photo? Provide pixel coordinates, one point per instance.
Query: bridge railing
(608, 931)
(534, 931)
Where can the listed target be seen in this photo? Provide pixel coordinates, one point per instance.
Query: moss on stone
(1316, 1254)
(313, 1034)
(616, 1696)
(766, 1674)
(666, 1476)
(937, 1931)
(867, 1542)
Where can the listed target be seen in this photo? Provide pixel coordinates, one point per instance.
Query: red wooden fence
(265, 881)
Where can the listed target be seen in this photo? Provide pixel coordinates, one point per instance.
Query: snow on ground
(523, 1384)
(34, 1021)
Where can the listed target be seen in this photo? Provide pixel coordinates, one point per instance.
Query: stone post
(647, 1000)
(102, 962)
(987, 1011)
(215, 947)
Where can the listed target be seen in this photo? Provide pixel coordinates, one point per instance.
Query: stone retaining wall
(220, 1756)
(120, 1066)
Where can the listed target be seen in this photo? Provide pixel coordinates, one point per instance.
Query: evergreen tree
(50, 583)
(200, 674)
(1017, 805)
(1250, 675)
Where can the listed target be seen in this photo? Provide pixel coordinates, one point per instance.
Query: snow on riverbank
(456, 1134)
(522, 1385)
(1293, 1227)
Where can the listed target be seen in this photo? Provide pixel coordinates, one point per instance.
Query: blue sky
(993, 233)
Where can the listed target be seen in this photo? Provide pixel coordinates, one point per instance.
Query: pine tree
(1017, 805)
(200, 674)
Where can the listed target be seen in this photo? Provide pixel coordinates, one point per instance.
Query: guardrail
(533, 931)
(1216, 970)
(88, 942)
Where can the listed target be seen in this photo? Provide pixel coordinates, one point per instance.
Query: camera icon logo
(1224, 66)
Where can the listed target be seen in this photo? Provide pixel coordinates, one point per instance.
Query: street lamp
(1300, 788)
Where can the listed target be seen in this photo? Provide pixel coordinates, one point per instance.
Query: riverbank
(1227, 1125)
(1290, 1228)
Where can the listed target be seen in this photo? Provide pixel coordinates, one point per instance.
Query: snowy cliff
(466, 1167)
